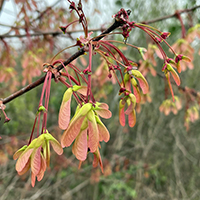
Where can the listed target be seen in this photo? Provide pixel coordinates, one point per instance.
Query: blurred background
(157, 159)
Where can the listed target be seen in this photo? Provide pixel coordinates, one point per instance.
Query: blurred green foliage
(157, 159)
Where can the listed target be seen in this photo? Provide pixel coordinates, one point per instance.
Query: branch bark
(29, 87)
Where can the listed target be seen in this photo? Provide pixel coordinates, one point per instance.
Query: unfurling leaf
(121, 112)
(19, 152)
(142, 81)
(136, 90)
(36, 161)
(75, 125)
(93, 131)
(23, 159)
(104, 113)
(80, 146)
(132, 119)
(65, 110)
(103, 132)
(81, 89)
(174, 74)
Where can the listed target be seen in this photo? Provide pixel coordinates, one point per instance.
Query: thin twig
(29, 87)
(54, 33)
(171, 16)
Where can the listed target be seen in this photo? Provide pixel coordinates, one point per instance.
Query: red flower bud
(165, 35)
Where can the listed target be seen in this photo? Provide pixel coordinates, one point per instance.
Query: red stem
(182, 25)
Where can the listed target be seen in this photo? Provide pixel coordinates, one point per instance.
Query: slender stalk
(29, 87)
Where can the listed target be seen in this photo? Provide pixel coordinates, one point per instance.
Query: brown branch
(53, 33)
(94, 30)
(171, 16)
(29, 87)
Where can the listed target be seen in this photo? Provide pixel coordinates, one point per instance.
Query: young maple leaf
(142, 81)
(75, 125)
(130, 100)
(36, 156)
(65, 109)
(97, 159)
(86, 129)
(168, 69)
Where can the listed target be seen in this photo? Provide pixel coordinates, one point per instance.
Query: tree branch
(29, 87)
(171, 16)
(94, 30)
(53, 33)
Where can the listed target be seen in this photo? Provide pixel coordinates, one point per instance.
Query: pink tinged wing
(174, 74)
(93, 132)
(121, 113)
(42, 169)
(103, 105)
(46, 152)
(178, 65)
(104, 113)
(97, 160)
(132, 119)
(19, 152)
(129, 109)
(36, 161)
(65, 110)
(142, 81)
(33, 179)
(169, 83)
(72, 131)
(103, 131)
(56, 147)
(80, 146)
(81, 89)
(55, 144)
(23, 159)
(74, 127)
(26, 168)
(136, 90)
(175, 77)
(144, 85)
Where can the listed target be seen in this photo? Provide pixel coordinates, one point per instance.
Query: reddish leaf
(178, 65)
(72, 131)
(103, 132)
(136, 92)
(65, 110)
(42, 168)
(36, 161)
(169, 83)
(104, 113)
(81, 89)
(132, 119)
(121, 113)
(174, 74)
(102, 105)
(97, 159)
(46, 152)
(23, 159)
(32, 179)
(142, 81)
(80, 146)
(19, 152)
(26, 168)
(54, 143)
(93, 132)
(75, 125)
(176, 77)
